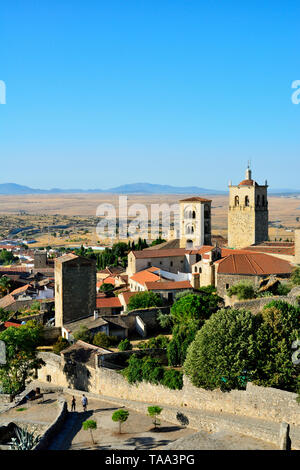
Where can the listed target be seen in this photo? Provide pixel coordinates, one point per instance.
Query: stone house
(248, 267)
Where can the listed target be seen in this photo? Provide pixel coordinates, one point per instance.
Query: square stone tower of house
(248, 213)
(75, 288)
(195, 222)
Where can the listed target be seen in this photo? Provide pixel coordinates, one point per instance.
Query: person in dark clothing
(73, 404)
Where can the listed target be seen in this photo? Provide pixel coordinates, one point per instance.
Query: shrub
(24, 440)
(242, 290)
(283, 289)
(106, 287)
(148, 365)
(195, 307)
(156, 375)
(35, 306)
(104, 341)
(83, 334)
(125, 345)
(173, 379)
(60, 345)
(133, 371)
(144, 300)
(159, 342)
(295, 277)
(182, 336)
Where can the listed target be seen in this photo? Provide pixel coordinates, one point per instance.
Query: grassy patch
(21, 409)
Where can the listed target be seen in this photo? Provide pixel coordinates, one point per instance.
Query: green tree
(83, 334)
(155, 411)
(243, 290)
(197, 307)
(107, 288)
(21, 357)
(223, 352)
(134, 371)
(158, 241)
(145, 299)
(90, 425)
(5, 285)
(158, 342)
(182, 336)
(188, 315)
(7, 257)
(125, 345)
(4, 315)
(173, 379)
(120, 416)
(60, 345)
(104, 341)
(279, 328)
(295, 276)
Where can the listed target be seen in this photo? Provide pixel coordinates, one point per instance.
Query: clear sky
(183, 92)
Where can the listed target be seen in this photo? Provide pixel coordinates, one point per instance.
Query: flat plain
(59, 209)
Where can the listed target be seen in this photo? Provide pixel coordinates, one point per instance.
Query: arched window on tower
(258, 200)
(193, 215)
(246, 201)
(263, 201)
(236, 201)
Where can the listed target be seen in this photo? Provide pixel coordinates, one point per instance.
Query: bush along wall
(149, 369)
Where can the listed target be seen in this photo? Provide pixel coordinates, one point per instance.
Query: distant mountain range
(134, 188)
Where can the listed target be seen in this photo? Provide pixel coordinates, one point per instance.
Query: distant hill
(134, 188)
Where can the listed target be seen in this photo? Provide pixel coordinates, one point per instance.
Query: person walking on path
(84, 402)
(73, 404)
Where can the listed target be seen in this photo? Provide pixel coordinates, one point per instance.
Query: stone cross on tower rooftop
(248, 172)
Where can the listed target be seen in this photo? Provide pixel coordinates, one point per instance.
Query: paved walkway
(137, 431)
(227, 431)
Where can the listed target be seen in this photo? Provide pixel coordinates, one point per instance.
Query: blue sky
(182, 92)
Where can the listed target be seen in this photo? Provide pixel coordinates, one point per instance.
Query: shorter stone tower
(75, 288)
(248, 213)
(195, 222)
(40, 259)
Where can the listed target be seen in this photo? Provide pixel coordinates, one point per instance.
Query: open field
(72, 217)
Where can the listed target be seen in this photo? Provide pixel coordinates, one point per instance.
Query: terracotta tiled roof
(6, 301)
(143, 254)
(253, 264)
(108, 302)
(7, 324)
(227, 252)
(248, 183)
(168, 285)
(280, 250)
(172, 252)
(21, 289)
(127, 295)
(144, 276)
(195, 199)
(15, 269)
(202, 250)
(107, 280)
